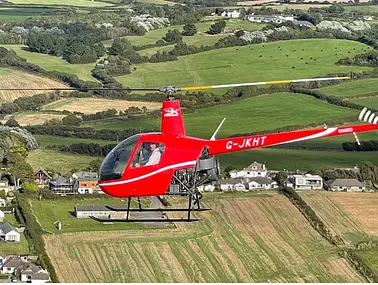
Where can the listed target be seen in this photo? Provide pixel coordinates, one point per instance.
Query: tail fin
(171, 119)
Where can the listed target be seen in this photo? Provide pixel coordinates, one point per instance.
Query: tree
(12, 123)
(71, 120)
(173, 36)
(29, 187)
(189, 29)
(217, 27)
(18, 168)
(94, 165)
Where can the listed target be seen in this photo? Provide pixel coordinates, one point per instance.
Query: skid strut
(193, 199)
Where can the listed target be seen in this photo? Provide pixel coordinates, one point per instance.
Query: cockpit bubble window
(115, 162)
(148, 153)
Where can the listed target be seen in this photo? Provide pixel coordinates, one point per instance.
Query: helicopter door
(148, 154)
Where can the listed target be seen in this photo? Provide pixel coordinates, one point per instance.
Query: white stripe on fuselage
(188, 163)
(314, 136)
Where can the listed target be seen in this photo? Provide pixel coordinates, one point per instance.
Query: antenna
(216, 131)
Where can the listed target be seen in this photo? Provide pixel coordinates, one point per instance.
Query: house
(206, 188)
(85, 185)
(62, 186)
(12, 263)
(307, 182)
(2, 259)
(253, 170)
(305, 24)
(41, 177)
(4, 185)
(84, 174)
(234, 14)
(2, 216)
(368, 18)
(34, 274)
(2, 202)
(266, 183)
(232, 184)
(9, 233)
(344, 185)
(269, 18)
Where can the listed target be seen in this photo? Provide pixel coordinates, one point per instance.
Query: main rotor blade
(261, 83)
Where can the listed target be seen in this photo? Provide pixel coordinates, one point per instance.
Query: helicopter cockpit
(115, 162)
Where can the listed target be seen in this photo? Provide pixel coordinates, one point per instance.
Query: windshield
(115, 162)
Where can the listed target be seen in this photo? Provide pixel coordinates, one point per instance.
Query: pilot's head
(154, 145)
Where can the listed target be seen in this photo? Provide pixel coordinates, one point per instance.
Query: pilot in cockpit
(149, 154)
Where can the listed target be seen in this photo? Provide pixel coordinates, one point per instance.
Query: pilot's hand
(137, 165)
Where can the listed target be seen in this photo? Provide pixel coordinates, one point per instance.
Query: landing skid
(191, 197)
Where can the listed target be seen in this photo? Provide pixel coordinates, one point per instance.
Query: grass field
(48, 211)
(352, 88)
(362, 8)
(14, 248)
(58, 161)
(303, 160)
(370, 256)
(244, 64)
(85, 3)
(156, 2)
(282, 7)
(92, 105)
(253, 114)
(12, 78)
(50, 62)
(271, 243)
(44, 141)
(368, 102)
(20, 14)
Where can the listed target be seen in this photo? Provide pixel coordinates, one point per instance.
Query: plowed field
(252, 239)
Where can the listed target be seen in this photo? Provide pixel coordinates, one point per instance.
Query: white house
(253, 170)
(269, 18)
(2, 202)
(2, 215)
(34, 274)
(233, 14)
(232, 184)
(9, 233)
(206, 188)
(344, 185)
(307, 182)
(263, 183)
(12, 262)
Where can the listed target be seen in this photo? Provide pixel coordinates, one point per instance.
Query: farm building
(99, 211)
(344, 185)
(305, 182)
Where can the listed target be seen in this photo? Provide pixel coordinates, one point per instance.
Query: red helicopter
(169, 162)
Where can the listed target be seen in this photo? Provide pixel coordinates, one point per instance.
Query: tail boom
(249, 142)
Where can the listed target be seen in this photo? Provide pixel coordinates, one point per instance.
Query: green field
(58, 161)
(45, 140)
(156, 2)
(352, 88)
(362, 8)
(50, 62)
(47, 212)
(20, 14)
(368, 102)
(282, 7)
(244, 64)
(304, 160)
(370, 256)
(85, 3)
(10, 247)
(259, 113)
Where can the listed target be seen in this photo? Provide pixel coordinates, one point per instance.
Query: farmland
(91, 105)
(215, 67)
(368, 102)
(84, 3)
(50, 62)
(12, 78)
(231, 244)
(269, 112)
(34, 118)
(19, 14)
(353, 88)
